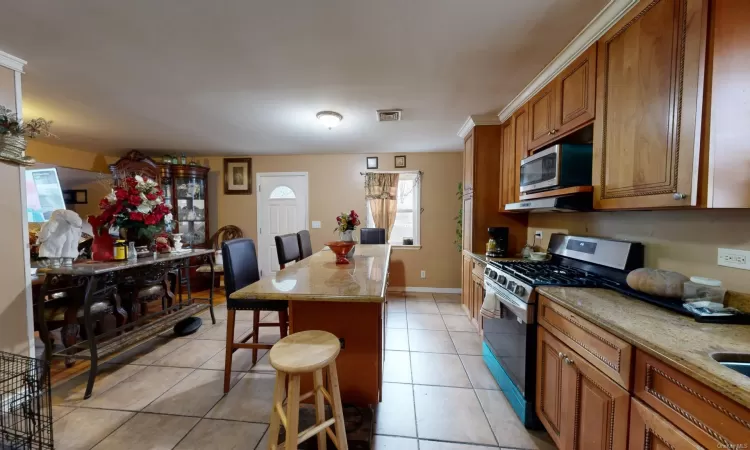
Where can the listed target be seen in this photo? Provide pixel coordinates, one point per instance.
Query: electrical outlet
(734, 258)
(316, 223)
(538, 234)
(423, 274)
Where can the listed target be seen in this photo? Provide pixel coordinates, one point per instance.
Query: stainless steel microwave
(559, 166)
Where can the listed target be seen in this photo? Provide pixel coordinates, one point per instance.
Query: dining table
(347, 300)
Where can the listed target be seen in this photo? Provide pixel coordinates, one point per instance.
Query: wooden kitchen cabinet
(575, 93)
(541, 121)
(650, 431)
(466, 288)
(514, 149)
(650, 72)
(580, 406)
(468, 181)
(467, 223)
(472, 288)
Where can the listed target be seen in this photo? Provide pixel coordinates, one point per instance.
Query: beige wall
(683, 241)
(14, 328)
(96, 191)
(336, 186)
(50, 153)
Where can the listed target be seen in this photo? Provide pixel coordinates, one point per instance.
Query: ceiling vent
(389, 115)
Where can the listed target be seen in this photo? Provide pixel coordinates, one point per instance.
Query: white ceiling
(248, 76)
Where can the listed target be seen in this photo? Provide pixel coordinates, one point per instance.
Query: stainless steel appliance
(582, 201)
(559, 166)
(509, 347)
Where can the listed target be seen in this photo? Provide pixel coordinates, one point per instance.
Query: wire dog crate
(25, 403)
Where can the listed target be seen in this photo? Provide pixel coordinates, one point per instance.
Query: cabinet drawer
(605, 351)
(649, 430)
(706, 416)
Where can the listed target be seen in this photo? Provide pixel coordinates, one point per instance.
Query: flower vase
(347, 236)
(131, 234)
(102, 248)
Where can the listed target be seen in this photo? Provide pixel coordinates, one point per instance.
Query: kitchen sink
(739, 362)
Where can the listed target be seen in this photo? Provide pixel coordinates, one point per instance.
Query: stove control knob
(520, 291)
(511, 286)
(501, 279)
(493, 275)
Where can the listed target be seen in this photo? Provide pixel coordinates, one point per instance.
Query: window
(408, 210)
(282, 192)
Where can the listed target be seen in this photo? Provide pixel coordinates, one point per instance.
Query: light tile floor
(167, 393)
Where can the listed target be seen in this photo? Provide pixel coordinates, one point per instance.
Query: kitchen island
(347, 300)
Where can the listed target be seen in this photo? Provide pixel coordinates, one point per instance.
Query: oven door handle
(523, 311)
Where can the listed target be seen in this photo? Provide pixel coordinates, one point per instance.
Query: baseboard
(431, 290)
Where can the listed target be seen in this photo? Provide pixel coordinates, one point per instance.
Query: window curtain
(380, 192)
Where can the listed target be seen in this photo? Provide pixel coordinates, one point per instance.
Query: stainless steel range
(509, 348)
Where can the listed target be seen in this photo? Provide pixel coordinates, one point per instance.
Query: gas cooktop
(548, 274)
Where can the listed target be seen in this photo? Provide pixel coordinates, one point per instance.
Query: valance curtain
(380, 192)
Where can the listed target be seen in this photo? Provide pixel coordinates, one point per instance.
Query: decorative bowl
(539, 256)
(341, 248)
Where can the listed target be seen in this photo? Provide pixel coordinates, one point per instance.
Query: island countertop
(677, 340)
(319, 278)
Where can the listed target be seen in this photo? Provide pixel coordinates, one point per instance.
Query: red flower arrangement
(137, 205)
(347, 221)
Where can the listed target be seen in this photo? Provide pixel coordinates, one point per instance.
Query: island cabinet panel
(607, 352)
(650, 431)
(580, 406)
(650, 73)
(541, 121)
(711, 419)
(576, 92)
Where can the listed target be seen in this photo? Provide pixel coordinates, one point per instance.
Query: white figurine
(59, 237)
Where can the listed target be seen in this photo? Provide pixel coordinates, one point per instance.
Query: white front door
(282, 209)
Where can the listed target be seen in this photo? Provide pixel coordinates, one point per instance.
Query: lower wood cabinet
(472, 289)
(650, 431)
(581, 407)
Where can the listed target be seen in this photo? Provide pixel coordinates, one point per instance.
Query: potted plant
(137, 209)
(13, 135)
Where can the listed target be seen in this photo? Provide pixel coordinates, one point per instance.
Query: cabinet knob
(561, 355)
(568, 361)
(553, 131)
(679, 196)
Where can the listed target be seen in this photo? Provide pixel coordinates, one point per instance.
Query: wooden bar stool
(306, 352)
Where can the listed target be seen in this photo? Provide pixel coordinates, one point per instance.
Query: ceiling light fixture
(330, 119)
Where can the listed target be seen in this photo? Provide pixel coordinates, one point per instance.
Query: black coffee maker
(497, 246)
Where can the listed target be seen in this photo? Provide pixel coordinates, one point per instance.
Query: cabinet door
(576, 91)
(469, 163)
(521, 134)
(595, 408)
(466, 286)
(649, 103)
(507, 169)
(650, 431)
(468, 226)
(541, 122)
(477, 300)
(549, 384)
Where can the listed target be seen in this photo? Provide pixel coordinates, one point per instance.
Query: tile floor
(167, 393)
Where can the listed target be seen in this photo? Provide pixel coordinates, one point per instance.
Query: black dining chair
(287, 249)
(240, 270)
(372, 236)
(305, 245)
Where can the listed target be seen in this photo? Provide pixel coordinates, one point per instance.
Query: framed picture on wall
(372, 162)
(238, 176)
(400, 161)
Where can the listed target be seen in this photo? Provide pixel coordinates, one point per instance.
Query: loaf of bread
(657, 282)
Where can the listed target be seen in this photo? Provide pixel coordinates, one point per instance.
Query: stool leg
(278, 399)
(283, 323)
(292, 413)
(320, 407)
(338, 410)
(229, 350)
(256, 332)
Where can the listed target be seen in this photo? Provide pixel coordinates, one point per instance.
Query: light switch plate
(316, 223)
(729, 257)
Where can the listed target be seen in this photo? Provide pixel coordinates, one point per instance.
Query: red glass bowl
(341, 248)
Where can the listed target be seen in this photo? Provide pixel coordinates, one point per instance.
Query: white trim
(473, 121)
(599, 25)
(432, 290)
(19, 102)
(11, 62)
(27, 266)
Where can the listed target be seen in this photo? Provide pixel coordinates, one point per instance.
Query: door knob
(679, 196)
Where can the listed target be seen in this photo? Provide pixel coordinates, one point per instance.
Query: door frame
(258, 210)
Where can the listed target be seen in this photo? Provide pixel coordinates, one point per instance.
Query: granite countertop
(319, 278)
(484, 259)
(679, 341)
(97, 268)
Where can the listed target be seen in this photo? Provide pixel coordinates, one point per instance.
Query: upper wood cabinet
(508, 184)
(649, 102)
(541, 121)
(575, 93)
(468, 182)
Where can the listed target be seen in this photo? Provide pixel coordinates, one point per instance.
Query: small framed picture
(237, 176)
(75, 196)
(400, 161)
(372, 162)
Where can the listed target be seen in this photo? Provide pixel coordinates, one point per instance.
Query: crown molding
(599, 25)
(473, 121)
(11, 62)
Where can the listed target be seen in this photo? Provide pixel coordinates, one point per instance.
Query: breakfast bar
(347, 300)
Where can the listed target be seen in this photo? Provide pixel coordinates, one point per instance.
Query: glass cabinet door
(166, 187)
(189, 209)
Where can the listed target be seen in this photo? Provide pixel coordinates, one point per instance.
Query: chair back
(372, 236)
(287, 248)
(305, 245)
(240, 264)
(225, 233)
